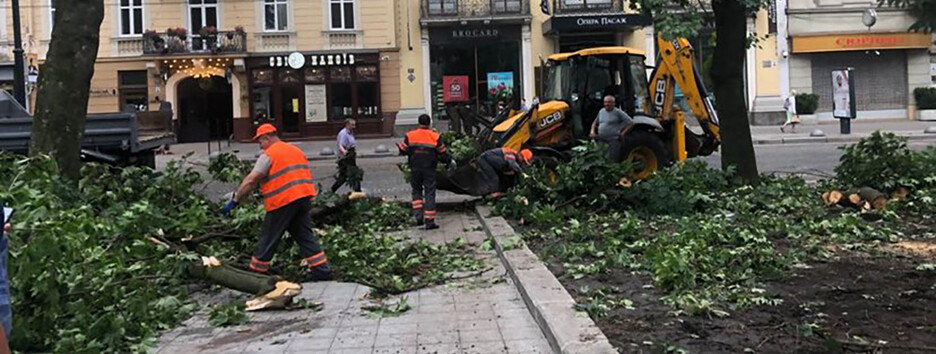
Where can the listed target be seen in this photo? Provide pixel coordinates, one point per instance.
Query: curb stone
(568, 331)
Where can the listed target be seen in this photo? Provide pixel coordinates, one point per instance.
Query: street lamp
(19, 68)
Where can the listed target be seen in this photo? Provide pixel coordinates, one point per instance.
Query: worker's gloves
(226, 210)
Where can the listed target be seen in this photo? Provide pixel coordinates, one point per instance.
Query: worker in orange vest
(425, 148)
(286, 184)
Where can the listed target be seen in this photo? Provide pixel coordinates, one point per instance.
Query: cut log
(831, 197)
(277, 298)
(237, 279)
(850, 200)
(900, 194)
(874, 197)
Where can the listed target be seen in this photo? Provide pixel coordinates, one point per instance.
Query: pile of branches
(104, 264)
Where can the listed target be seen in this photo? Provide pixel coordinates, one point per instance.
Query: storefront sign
(772, 17)
(474, 34)
(315, 103)
(843, 94)
(281, 61)
(603, 23)
(500, 85)
(455, 88)
(861, 41)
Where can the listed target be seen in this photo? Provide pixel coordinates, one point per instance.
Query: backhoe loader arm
(675, 68)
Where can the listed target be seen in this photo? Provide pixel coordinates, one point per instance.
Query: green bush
(807, 103)
(884, 162)
(925, 97)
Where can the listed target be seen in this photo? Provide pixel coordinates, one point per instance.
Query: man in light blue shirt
(348, 171)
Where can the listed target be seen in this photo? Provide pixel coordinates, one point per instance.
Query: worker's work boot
(319, 273)
(419, 221)
(431, 225)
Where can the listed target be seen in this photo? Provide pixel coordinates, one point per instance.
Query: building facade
(224, 66)
(888, 60)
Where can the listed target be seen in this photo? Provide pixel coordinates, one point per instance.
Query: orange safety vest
(289, 178)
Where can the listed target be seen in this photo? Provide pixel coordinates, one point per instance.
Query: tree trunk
(728, 79)
(64, 82)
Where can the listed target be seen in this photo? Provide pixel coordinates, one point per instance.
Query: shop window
(275, 13)
(367, 73)
(131, 17)
(261, 104)
(341, 101)
(340, 73)
(314, 75)
(289, 76)
(368, 94)
(133, 88)
(262, 77)
(342, 14)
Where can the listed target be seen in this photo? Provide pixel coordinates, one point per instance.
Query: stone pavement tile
(396, 328)
(319, 332)
(355, 337)
(435, 308)
(495, 347)
(309, 351)
(359, 320)
(433, 298)
(351, 351)
(264, 347)
(443, 325)
(509, 322)
(448, 348)
(432, 338)
(480, 314)
(485, 335)
(395, 350)
(521, 333)
(303, 344)
(233, 350)
(385, 340)
(475, 325)
(528, 347)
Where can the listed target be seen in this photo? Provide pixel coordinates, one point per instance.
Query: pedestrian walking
(789, 105)
(287, 187)
(424, 148)
(608, 125)
(348, 170)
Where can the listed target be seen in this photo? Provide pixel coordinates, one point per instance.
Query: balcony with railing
(179, 42)
(457, 10)
(579, 7)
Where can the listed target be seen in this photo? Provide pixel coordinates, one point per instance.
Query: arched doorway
(205, 109)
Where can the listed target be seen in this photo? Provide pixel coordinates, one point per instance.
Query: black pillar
(19, 68)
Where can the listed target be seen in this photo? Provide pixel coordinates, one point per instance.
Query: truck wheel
(645, 151)
(146, 159)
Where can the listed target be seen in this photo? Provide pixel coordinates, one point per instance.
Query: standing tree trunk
(64, 82)
(728, 79)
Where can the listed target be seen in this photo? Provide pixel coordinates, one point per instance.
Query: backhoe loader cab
(575, 87)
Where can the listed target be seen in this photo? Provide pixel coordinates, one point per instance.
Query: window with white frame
(131, 17)
(275, 14)
(342, 14)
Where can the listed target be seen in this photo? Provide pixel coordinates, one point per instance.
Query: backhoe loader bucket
(465, 180)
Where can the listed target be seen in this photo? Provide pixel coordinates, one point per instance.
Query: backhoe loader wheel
(646, 152)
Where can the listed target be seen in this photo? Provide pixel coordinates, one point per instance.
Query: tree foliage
(923, 10)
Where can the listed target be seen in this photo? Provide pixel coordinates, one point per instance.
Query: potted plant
(209, 34)
(806, 105)
(153, 42)
(925, 98)
(176, 39)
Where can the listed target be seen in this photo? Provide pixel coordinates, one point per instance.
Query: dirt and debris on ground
(878, 302)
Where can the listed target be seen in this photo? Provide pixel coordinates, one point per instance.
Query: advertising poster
(455, 88)
(315, 103)
(500, 85)
(843, 105)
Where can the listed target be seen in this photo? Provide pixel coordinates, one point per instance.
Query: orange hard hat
(527, 155)
(264, 129)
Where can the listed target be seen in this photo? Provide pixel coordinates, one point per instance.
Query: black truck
(121, 139)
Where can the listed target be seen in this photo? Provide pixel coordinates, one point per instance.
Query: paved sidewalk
(483, 315)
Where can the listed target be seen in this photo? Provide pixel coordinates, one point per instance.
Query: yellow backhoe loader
(576, 84)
